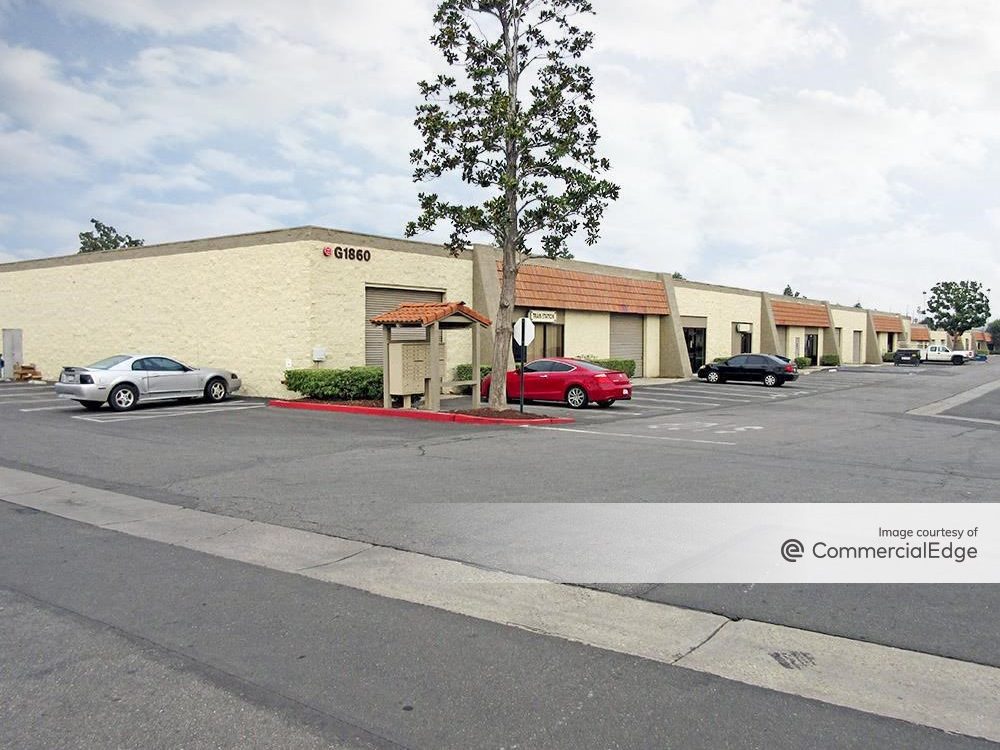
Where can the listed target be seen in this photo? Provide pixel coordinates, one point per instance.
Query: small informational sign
(542, 316)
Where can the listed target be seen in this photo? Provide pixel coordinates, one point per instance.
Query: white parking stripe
(676, 401)
(727, 390)
(52, 408)
(132, 417)
(697, 396)
(628, 435)
(15, 402)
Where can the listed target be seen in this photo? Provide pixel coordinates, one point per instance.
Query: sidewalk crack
(699, 645)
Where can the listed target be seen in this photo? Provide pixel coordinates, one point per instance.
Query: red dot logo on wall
(327, 251)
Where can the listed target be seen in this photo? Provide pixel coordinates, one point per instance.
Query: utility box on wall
(409, 366)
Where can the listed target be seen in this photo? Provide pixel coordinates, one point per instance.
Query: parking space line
(725, 390)
(163, 414)
(15, 402)
(674, 394)
(629, 435)
(65, 407)
(676, 401)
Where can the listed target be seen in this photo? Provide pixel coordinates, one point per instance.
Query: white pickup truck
(937, 353)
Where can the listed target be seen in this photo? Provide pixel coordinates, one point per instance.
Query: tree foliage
(788, 291)
(512, 118)
(957, 306)
(993, 329)
(105, 237)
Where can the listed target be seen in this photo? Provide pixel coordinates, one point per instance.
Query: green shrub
(829, 360)
(353, 384)
(621, 365)
(887, 356)
(721, 359)
(464, 372)
(803, 362)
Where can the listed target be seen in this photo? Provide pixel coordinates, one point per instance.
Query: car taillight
(86, 380)
(789, 368)
(600, 375)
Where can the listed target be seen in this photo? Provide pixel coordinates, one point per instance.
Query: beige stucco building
(266, 302)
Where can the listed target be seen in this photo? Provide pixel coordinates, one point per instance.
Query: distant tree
(513, 120)
(993, 329)
(957, 306)
(788, 291)
(105, 237)
(857, 305)
(677, 275)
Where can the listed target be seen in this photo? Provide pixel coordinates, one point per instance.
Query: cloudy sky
(849, 148)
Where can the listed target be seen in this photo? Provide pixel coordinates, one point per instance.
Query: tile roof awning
(800, 314)
(920, 333)
(544, 286)
(888, 323)
(425, 313)
(981, 336)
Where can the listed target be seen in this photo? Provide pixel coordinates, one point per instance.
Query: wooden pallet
(26, 372)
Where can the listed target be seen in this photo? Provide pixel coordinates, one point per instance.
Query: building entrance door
(857, 346)
(812, 347)
(695, 340)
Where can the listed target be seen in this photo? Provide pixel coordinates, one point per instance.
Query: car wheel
(958, 360)
(91, 405)
(123, 398)
(216, 390)
(771, 380)
(576, 397)
(605, 404)
(713, 377)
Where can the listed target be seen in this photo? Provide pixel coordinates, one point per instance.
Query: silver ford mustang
(124, 380)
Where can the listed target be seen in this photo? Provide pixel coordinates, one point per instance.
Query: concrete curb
(427, 416)
(947, 694)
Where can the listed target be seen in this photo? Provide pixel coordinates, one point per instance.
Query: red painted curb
(428, 416)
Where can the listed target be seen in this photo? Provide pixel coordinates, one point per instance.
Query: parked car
(938, 353)
(574, 381)
(906, 357)
(125, 380)
(768, 369)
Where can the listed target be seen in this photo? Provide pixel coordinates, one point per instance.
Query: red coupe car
(574, 381)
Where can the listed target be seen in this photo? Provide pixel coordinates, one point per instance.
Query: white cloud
(233, 165)
(716, 36)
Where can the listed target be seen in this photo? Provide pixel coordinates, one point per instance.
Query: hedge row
(803, 362)
(464, 372)
(829, 360)
(888, 356)
(353, 384)
(620, 365)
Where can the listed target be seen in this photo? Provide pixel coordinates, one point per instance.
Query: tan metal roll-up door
(626, 339)
(380, 300)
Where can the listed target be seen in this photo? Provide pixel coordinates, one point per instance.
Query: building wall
(246, 309)
(587, 333)
(254, 309)
(337, 299)
(722, 308)
(850, 321)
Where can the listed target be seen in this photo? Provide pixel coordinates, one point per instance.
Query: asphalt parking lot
(830, 437)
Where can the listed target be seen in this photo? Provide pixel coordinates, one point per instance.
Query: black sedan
(762, 368)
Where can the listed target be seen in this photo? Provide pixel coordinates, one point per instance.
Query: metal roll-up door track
(380, 300)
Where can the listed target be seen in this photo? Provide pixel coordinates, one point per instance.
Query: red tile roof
(544, 286)
(981, 336)
(888, 323)
(425, 313)
(920, 333)
(799, 314)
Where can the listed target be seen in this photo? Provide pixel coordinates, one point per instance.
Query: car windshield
(590, 366)
(107, 364)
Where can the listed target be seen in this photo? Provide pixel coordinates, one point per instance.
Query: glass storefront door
(695, 340)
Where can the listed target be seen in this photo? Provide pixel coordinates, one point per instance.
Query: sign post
(524, 334)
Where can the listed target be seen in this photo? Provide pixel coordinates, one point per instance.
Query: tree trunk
(510, 239)
(503, 327)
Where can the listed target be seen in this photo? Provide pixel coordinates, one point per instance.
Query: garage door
(626, 339)
(380, 300)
